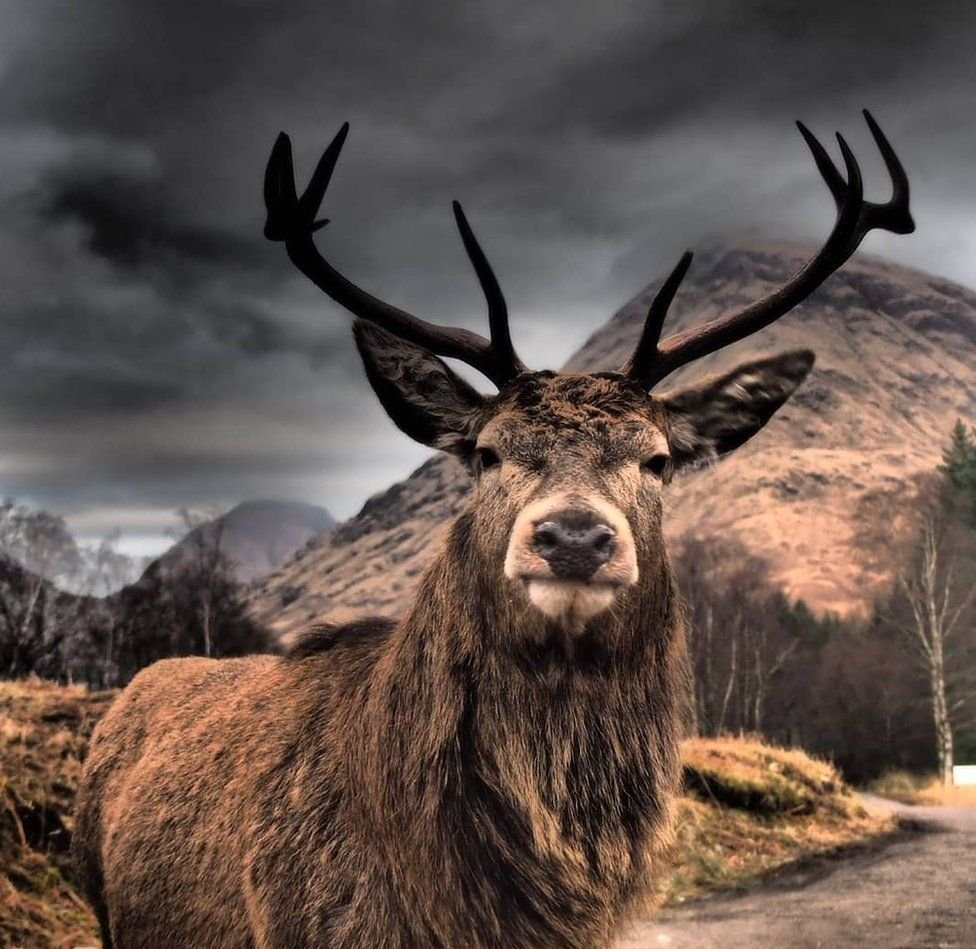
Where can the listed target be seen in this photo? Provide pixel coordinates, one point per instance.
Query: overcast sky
(158, 352)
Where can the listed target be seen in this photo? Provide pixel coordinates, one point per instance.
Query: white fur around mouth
(568, 602)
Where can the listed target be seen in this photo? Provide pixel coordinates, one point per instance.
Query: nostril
(602, 540)
(547, 537)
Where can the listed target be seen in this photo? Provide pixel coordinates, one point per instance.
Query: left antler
(293, 219)
(653, 360)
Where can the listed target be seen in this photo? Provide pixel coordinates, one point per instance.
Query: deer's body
(469, 776)
(498, 768)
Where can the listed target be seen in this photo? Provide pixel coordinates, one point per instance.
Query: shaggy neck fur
(532, 772)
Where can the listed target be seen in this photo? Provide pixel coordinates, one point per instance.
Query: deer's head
(571, 468)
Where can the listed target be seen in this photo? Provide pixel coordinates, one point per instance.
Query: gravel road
(916, 891)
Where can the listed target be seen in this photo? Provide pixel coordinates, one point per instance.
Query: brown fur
(476, 774)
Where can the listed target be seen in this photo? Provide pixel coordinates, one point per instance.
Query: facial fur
(569, 452)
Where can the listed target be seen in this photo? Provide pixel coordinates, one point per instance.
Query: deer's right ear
(420, 393)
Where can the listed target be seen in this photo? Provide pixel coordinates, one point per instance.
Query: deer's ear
(422, 396)
(717, 415)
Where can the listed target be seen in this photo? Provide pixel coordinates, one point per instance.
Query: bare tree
(50, 596)
(916, 535)
(739, 643)
(37, 552)
(769, 649)
(938, 599)
(105, 568)
(210, 567)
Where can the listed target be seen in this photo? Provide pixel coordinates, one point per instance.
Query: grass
(44, 731)
(748, 808)
(922, 789)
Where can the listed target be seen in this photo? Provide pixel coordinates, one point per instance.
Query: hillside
(896, 365)
(256, 536)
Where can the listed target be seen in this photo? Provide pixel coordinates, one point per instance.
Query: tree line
(81, 614)
(895, 688)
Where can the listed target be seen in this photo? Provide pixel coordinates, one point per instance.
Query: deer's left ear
(420, 393)
(719, 414)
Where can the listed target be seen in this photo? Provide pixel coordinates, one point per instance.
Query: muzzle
(574, 554)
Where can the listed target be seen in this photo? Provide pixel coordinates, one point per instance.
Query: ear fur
(420, 393)
(717, 415)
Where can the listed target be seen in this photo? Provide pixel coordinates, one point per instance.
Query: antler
(653, 360)
(292, 219)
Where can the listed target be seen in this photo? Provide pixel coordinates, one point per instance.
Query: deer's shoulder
(326, 637)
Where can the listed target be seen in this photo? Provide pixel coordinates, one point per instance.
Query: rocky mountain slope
(256, 536)
(896, 365)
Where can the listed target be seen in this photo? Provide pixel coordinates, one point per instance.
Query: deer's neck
(495, 745)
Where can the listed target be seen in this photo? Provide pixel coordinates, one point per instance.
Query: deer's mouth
(571, 603)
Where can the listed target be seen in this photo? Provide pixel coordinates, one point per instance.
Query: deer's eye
(488, 458)
(656, 465)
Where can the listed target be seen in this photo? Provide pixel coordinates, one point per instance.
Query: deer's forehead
(549, 412)
(547, 396)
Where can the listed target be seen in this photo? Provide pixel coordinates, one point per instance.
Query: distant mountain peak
(257, 536)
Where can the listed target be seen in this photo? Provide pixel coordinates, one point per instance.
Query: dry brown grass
(749, 808)
(922, 789)
(44, 731)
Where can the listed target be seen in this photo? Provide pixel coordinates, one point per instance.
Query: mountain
(256, 536)
(896, 365)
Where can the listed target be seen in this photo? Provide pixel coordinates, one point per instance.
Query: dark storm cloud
(160, 352)
(129, 223)
(751, 58)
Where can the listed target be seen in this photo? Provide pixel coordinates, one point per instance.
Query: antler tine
(825, 164)
(292, 219)
(893, 215)
(855, 219)
(641, 362)
(501, 337)
(286, 212)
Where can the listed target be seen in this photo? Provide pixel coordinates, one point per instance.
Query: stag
(499, 766)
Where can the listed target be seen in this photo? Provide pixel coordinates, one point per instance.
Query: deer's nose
(575, 544)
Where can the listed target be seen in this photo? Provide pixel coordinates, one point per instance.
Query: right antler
(292, 219)
(652, 361)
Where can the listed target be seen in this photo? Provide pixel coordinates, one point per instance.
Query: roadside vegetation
(750, 808)
(44, 731)
(923, 789)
